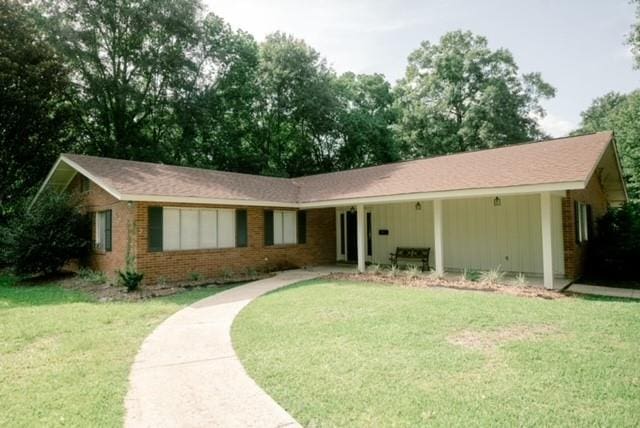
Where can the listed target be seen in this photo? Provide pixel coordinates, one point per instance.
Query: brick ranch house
(527, 208)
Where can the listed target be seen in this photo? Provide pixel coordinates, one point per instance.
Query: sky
(578, 46)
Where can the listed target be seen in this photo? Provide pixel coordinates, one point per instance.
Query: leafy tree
(42, 238)
(633, 38)
(364, 120)
(295, 113)
(217, 123)
(620, 113)
(137, 66)
(460, 95)
(34, 118)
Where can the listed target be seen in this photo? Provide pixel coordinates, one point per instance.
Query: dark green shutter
(107, 230)
(576, 221)
(589, 223)
(268, 227)
(155, 228)
(241, 228)
(302, 227)
(342, 232)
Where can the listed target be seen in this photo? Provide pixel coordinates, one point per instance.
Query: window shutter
(155, 228)
(342, 231)
(268, 227)
(589, 223)
(302, 227)
(241, 228)
(107, 230)
(576, 220)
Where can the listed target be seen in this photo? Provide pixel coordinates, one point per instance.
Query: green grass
(350, 354)
(65, 358)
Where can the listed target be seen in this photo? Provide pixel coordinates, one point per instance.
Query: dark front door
(352, 237)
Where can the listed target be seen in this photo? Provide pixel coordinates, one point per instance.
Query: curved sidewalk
(187, 374)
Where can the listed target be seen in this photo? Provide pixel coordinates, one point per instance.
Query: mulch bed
(458, 284)
(108, 292)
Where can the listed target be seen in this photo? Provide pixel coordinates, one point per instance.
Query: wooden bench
(411, 253)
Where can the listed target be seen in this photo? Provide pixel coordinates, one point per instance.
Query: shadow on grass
(596, 298)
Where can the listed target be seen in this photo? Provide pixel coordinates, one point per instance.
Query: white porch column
(361, 238)
(437, 234)
(547, 242)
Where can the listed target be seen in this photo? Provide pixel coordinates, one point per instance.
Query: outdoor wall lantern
(352, 210)
(418, 206)
(497, 202)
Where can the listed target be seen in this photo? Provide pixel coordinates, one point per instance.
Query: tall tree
(136, 65)
(295, 113)
(620, 113)
(460, 95)
(364, 120)
(34, 117)
(633, 38)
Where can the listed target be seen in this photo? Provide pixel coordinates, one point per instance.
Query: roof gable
(560, 164)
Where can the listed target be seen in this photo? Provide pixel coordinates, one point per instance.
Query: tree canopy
(35, 117)
(621, 114)
(460, 95)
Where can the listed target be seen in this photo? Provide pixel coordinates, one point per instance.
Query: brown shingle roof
(563, 160)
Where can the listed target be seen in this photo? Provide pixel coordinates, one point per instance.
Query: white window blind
(190, 228)
(284, 227)
(100, 234)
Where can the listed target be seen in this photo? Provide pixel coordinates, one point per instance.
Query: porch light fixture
(418, 206)
(497, 202)
(352, 210)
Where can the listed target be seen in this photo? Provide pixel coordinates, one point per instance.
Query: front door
(352, 237)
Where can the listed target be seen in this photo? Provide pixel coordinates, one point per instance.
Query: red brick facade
(130, 228)
(574, 253)
(320, 248)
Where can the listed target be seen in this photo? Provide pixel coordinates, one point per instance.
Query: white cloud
(555, 125)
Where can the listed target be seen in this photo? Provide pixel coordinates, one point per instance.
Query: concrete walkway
(604, 291)
(187, 374)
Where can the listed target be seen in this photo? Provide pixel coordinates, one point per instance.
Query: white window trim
(199, 221)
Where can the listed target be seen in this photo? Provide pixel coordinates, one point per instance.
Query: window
(582, 222)
(281, 227)
(102, 231)
(191, 229)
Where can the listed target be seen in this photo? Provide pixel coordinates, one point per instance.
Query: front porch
(514, 233)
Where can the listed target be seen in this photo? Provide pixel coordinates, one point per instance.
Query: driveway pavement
(187, 374)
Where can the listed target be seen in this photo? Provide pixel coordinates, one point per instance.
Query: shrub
(413, 271)
(492, 276)
(44, 237)
(393, 271)
(195, 276)
(162, 281)
(521, 279)
(471, 275)
(375, 269)
(93, 277)
(613, 253)
(130, 279)
(227, 273)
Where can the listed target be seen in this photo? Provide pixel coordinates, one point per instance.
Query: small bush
(196, 276)
(227, 273)
(521, 279)
(375, 269)
(471, 275)
(393, 271)
(130, 279)
(493, 276)
(413, 271)
(44, 237)
(93, 277)
(614, 251)
(252, 272)
(162, 281)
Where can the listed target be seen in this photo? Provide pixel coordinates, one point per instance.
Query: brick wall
(123, 216)
(177, 265)
(574, 253)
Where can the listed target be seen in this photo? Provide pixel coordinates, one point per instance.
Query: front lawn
(65, 358)
(359, 354)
